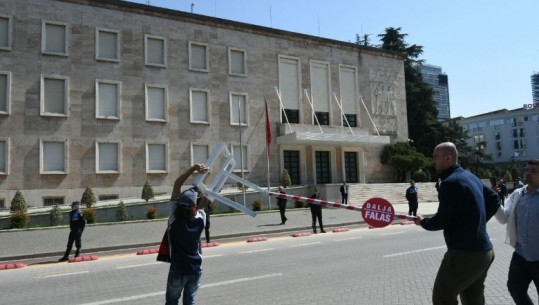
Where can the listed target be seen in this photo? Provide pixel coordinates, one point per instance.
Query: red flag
(268, 130)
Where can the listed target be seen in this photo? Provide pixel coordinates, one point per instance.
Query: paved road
(36, 243)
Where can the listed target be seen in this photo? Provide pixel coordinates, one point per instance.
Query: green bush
(257, 205)
(90, 215)
(19, 219)
(147, 191)
(18, 204)
(508, 176)
(121, 211)
(285, 178)
(421, 176)
(88, 197)
(152, 213)
(55, 215)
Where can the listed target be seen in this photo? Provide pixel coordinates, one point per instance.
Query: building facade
(434, 76)
(535, 87)
(508, 134)
(110, 94)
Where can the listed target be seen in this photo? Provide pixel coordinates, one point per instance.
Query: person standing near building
(185, 226)
(411, 196)
(77, 223)
(520, 213)
(316, 211)
(281, 203)
(344, 193)
(465, 207)
(502, 191)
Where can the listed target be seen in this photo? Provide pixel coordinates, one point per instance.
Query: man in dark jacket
(77, 222)
(411, 196)
(281, 203)
(466, 204)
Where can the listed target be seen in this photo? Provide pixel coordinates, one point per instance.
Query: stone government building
(109, 94)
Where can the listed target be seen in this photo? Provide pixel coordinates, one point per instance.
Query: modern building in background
(434, 76)
(110, 94)
(535, 87)
(509, 134)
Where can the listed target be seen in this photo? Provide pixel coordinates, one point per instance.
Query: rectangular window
(107, 44)
(198, 57)
(289, 86)
(2, 203)
(350, 166)
(291, 163)
(200, 106)
(54, 38)
(349, 94)
(291, 115)
(240, 157)
(54, 95)
(239, 109)
(5, 32)
(51, 201)
(320, 91)
(515, 133)
(4, 149)
(53, 157)
(521, 132)
(156, 103)
(199, 153)
(108, 197)
(155, 51)
(5, 92)
(156, 158)
(107, 157)
(107, 104)
(236, 62)
(515, 144)
(323, 171)
(498, 146)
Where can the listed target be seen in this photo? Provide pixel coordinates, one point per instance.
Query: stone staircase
(392, 192)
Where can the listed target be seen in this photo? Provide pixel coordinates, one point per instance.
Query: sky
(488, 49)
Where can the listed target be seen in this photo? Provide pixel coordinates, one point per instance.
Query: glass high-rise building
(434, 76)
(535, 87)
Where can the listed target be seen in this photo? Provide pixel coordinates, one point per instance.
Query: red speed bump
(10, 266)
(257, 239)
(85, 258)
(148, 251)
(210, 244)
(337, 230)
(301, 234)
(407, 222)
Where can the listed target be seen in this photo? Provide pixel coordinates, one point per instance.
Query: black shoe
(322, 231)
(63, 259)
(285, 220)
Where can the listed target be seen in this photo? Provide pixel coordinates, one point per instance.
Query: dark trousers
(344, 199)
(521, 274)
(462, 273)
(74, 236)
(282, 210)
(316, 213)
(207, 228)
(412, 208)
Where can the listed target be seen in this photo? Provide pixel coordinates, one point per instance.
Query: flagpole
(241, 151)
(267, 150)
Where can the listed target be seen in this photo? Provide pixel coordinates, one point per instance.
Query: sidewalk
(46, 242)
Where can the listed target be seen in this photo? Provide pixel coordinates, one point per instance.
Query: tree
(423, 127)
(285, 178)
(18, 204)
(147, 191)
(404, 159)
(88, 197)
(121, 211)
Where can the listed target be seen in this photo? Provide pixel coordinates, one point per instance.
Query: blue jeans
(177, 283)
(521, 274)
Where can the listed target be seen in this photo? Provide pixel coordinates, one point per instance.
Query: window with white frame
(237, 62)
(107, 44)
(107, 94)
(199, 153)
(107, 157)
(51, 201)
(53, 157)
(155, 50)
(289, 88)
(200, 106)
(198, 57)
(238, 109)
(54, 95)
(156, 158)
(156, 103)
(5, 32)
(240, 154)
(349, 95)
(5, 91)
(320, 92)
(54, 38)
(4, 149)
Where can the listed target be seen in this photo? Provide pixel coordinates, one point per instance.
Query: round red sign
(377, 212)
